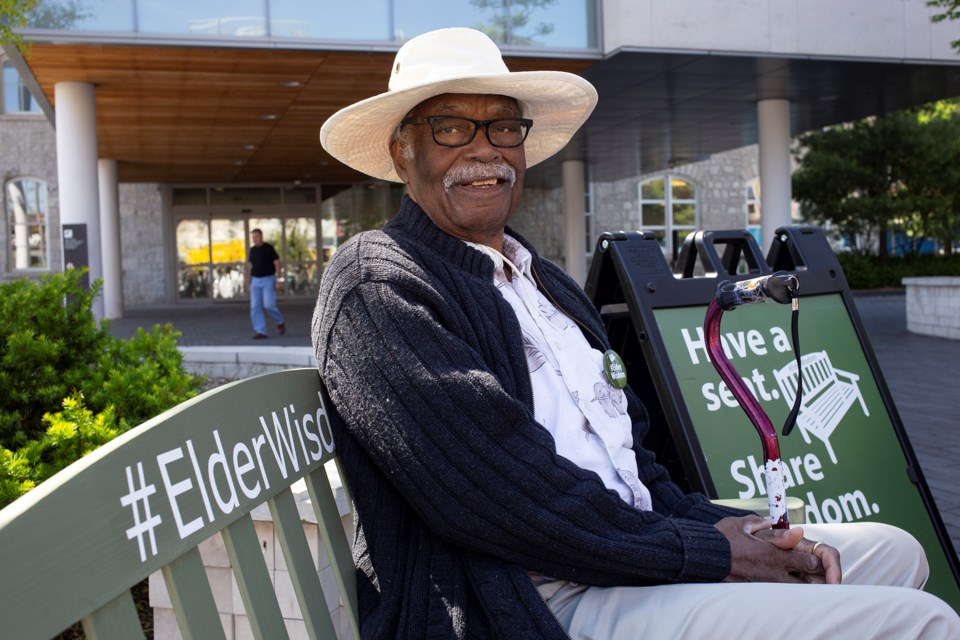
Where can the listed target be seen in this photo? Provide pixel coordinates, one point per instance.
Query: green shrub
(70, 434)
(141, 377)
(52, 348)
(49, 343)
(871, 272)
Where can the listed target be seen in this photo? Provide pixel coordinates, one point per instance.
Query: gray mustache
(479, 171)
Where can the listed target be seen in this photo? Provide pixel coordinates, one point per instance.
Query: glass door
(228, 257)
(211, 257)
(212, 231)
(193, 259)
(299, 257)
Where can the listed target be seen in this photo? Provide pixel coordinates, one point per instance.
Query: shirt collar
(512, 251)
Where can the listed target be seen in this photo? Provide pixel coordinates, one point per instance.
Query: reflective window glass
(193, 259)
(16, 96)
(670, 213)
(301, 240)
(684, 215)
(652, 189)
(564, 24)
(193, 242)
(26, 204)
(88, 15)
(347, 210)
(336, 211)
(652, 215)
(190, 196)
(354, 20)
(753, 203)
(300, 195)
(299, 256)
(229, 256)
(216, 18)
(245, 195)
(681, 189)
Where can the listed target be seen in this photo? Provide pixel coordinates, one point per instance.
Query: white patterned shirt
(572, 398)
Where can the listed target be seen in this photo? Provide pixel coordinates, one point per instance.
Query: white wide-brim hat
(456, 61)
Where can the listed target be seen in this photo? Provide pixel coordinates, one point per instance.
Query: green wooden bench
(72, 548)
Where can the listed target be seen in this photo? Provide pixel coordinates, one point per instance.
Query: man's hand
(760, 553)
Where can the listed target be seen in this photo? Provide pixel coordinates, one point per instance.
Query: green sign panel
(843, 458)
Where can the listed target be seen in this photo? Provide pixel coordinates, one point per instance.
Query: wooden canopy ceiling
(222, 115)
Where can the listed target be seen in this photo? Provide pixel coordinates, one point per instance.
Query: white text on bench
(290, 444)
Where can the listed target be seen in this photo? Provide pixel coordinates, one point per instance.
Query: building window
(752, 222)
(26, 205)
(16, 96)
(668, 207)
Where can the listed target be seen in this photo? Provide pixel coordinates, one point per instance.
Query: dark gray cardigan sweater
(457, 490)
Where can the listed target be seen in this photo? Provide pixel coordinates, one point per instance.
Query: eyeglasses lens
(455, 132)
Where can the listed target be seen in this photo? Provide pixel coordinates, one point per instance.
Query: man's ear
(399, 163)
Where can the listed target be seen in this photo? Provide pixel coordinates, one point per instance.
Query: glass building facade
(554, 24)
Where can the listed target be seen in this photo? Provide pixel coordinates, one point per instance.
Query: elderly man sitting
(500, 485)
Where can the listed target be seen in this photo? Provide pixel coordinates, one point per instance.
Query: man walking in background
(263, 265)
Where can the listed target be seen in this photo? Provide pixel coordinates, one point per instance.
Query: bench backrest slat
(253, 579)
(192, 598)
(116, 620)
(300, 565)
(335, 543)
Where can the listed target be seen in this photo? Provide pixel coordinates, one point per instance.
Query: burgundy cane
(778, 287)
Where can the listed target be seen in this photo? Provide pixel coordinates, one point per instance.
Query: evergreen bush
(71, 434)
(67, 385)
(872, 272)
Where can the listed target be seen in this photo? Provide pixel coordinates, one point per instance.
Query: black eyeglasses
(449, 131)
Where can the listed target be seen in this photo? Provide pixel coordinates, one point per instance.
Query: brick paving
(920, 372)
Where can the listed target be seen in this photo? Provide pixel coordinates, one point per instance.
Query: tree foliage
(62, 14)
(38, 14)
(52, 347)
(511, 22)
(951, 11)
(13, 15)
(900, 171)
(70, 434)
(66, 385)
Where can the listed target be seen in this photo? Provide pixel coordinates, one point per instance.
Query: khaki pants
(871, 554)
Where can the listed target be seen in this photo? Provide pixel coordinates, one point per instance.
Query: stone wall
(540, 219)
(144, 264)
(721, 183)
(933, 306)
(28, 149)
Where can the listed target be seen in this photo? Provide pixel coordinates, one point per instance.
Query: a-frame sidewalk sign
(849, 458)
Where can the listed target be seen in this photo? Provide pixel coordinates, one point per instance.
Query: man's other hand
(760, 553)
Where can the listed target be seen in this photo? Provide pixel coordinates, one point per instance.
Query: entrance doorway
(305, 224)
(212, 253)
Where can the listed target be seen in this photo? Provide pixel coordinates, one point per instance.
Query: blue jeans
(263, 295)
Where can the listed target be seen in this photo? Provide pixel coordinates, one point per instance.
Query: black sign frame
(630, 278)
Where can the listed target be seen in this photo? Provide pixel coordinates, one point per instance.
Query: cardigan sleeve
(470, 459)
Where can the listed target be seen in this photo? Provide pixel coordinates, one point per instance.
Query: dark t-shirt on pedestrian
(261, 260)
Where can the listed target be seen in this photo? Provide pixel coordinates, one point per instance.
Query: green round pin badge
(614, 370)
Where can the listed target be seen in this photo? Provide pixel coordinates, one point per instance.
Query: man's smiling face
(471, 191)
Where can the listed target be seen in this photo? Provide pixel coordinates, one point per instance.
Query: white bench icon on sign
(828, 394)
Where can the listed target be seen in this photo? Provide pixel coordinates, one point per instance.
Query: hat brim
(557, 102)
